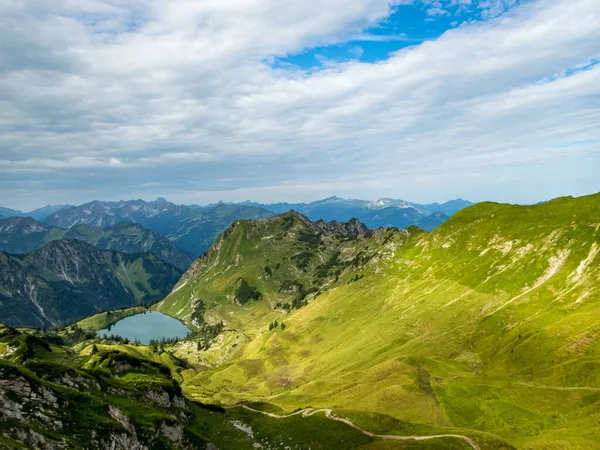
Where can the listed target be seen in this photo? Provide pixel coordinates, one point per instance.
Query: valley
(480, 334)
(309, 225)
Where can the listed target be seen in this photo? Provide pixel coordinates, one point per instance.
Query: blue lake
(146, 326)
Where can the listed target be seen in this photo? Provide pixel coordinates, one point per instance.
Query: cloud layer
(129, 98)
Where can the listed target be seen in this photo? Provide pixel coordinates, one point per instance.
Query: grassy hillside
(490, 323)
(97, 394)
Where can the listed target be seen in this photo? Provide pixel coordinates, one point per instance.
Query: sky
(200, 101)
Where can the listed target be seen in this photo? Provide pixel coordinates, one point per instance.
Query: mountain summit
(488, 323)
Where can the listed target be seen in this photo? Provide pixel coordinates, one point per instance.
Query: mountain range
(69, 279)
(487, 326)
(192, 229)
(384, 212)
(24, 234)
(38, 214)
(481, 334)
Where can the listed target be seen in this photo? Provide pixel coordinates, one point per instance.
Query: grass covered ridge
(490, 323)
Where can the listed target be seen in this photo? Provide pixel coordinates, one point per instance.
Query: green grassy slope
(490, 323)
(101, 395)
(194, 229)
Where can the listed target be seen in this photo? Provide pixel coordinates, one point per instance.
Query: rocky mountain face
(285, 260)
(127, 237)
(20, 235)
(70, 390)
(23, 234)
(192, 229)
(105, 214)
(351, 229)
(69, 279)
(86, 402)
(384, 212)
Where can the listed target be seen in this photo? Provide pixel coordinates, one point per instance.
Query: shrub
(245, 292)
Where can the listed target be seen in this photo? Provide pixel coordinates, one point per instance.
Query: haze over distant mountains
(38, 214)
(191, 228)
(383, 212)
(194, 228)
(23, 234)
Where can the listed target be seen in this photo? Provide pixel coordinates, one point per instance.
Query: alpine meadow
(316, 225)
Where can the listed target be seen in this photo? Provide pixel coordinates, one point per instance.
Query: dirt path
(329, 414)
(559, 388)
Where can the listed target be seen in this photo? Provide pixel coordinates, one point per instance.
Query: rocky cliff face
(129, 237)
(56, 406)
(69, 279)
(20, 235)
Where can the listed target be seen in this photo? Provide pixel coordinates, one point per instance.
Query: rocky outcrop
(351, 229)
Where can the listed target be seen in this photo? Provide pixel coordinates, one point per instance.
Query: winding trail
(330, 415)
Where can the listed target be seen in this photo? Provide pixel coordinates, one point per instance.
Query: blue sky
(424, 100)
(407, 25)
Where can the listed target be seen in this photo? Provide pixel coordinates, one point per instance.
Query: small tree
(94, 349)
(282, 326)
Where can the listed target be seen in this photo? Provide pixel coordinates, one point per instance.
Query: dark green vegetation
(192, 229)
(488, 325)
(24, 234)
(67, 280)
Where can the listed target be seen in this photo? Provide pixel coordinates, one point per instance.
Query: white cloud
(176, 93)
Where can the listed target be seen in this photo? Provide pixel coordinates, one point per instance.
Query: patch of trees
(288, 222)
(355, 278)
(324, 269)
(291, 286)
(302, 260)
(198, 313)
(268, 271)
(299, 300)
(310, 238)
(360, 259)
(285, 306)
(245, 292)
(275, 324)
(167, 341)
(206, 334)
(300, 293)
